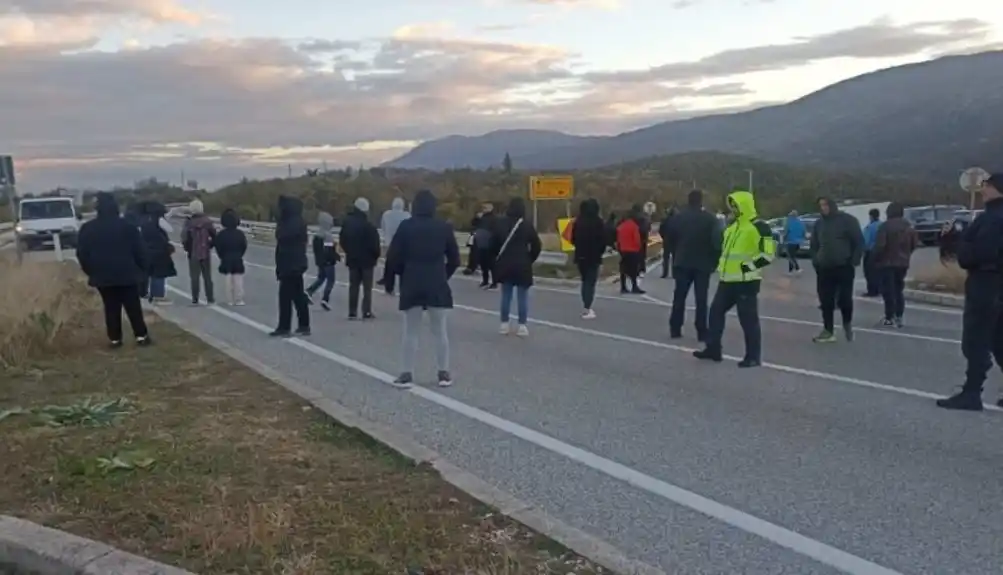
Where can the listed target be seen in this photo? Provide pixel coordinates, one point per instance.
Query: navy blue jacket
(230, 244)
(360, 240)
(425, 255)
(110, 250)
(159, 250)
(291, 237)
(514, 264)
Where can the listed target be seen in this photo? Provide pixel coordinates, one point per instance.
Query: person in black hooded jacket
(360, 241)
(231, 245)
(290, 264)
(517, 246)
(588, 234)
(112, 256)
(425, 255)
(159, 251)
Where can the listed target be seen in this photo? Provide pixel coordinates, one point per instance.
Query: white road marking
(820, 552)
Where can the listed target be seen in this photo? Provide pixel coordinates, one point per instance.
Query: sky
(97, 93)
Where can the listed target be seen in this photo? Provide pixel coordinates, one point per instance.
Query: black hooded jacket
(514, 262)
(159, 249)
(588, 234)
(425, 255)
(110, 250)
(837, 239)
(290, 239)
(360, 240)
(230, 244)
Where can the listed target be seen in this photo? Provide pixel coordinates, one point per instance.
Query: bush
(45, 309)
(947, 277)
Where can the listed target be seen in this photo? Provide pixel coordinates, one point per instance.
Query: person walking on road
(425, 255)
(663, 230)
(894, 243)
(389, 223)
(360, 240)
(517, 246)
(695, 237)
(197, 238)
(980, 253)
(588, 234)
(748, 247)
(326, 258)
(837, 246)
(159, 252)
(871, 276)
(112, 256)
(231, 245)
(290, 265)
(629, 242)
(794, 232)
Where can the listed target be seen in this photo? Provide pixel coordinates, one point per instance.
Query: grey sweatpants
(412, 330)
(201, 269)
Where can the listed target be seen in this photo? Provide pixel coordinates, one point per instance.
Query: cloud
(222, 109)
(601, 4)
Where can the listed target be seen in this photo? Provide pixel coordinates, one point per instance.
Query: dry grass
(215, 469)
(947, 278)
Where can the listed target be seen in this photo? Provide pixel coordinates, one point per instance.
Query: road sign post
(971, 181)
(543, 188)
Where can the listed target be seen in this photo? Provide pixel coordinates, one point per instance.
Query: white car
(40, 220)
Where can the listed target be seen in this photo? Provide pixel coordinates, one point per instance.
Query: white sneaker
(588, 314)
(240, 303)
(503, 329)
(523, 331)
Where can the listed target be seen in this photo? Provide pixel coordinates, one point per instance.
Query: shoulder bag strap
(508, 239)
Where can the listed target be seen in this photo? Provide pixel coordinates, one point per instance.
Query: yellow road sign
(551, 187)
(564, 230)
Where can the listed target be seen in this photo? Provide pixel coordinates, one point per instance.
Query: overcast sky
(105, 92)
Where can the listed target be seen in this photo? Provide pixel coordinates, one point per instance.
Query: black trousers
(473, 258)
(360, 278)
(630, 267)
(835, 289)
(666, 263)
(687, 278)
(893, 291)
(744, 296)
(872, 275)
(292, 294)
(982, 330)
(486, 259)
(116, 299)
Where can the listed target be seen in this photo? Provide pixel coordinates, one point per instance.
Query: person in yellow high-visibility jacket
(748, 247)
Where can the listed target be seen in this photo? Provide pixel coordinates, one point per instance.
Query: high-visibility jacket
(748, 244)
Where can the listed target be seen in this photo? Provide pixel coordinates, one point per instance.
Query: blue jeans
(324, 274)
(158, 288)
(522, 298)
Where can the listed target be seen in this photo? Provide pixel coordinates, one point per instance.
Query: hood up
(397, 205)
(423, 206)
(833, 207)
(106, 206)
(289, 208)
(894, 210)
(589, 209)
(743, 206)
(229, 219)
(516, 209)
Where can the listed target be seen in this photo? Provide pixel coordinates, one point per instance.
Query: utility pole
(750, 180)
(289, 170)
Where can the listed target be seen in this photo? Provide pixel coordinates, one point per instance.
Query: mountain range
(921, 121)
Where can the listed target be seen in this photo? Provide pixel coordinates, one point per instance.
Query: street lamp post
(750, 172)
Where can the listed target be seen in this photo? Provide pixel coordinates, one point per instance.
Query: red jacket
(628, 237)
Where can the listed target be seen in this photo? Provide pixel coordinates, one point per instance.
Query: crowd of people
(130, 258)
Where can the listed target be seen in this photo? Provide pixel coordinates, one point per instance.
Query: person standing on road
(197, 239)
(472, 261)
(794, 232)
(894, 243)
(326, 258)
(629, 242)
(290, 265)
(112, 256)
(870, 232)
(695, 237)
(482, 245)
(643, 226)
(231, 245)
(837, 246)
(588, 234)
(517, 246)
(980, 253)
(748, 247)
(425, 255)
(360, 240)
(389, 223)
(159, 251)
(663, 230)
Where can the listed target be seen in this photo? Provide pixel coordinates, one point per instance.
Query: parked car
(929, 221)
(777, 226)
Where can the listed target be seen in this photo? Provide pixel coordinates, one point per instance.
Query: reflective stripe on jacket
(748, 244)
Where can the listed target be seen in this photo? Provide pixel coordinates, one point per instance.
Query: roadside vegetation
(945, 278)
(179, 453)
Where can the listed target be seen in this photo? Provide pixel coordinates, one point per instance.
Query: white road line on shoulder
(791, 540)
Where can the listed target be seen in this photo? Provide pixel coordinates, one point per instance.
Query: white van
(39, 220)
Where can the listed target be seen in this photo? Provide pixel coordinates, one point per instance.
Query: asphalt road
(829, 459)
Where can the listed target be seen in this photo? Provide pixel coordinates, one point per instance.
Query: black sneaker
(999, 403)
(368, 316)
(887, 323)
(326, 305)
(750, 363)
(848, 331)
(115, 343)
(144, 341)
(675, 335)
(708, 354)
(484, 285)
(303, 331)
(493, 286)
(638, 291)
(280, 333)
(445, 379)
(353, 317)
(962, 401)
(404, 380)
